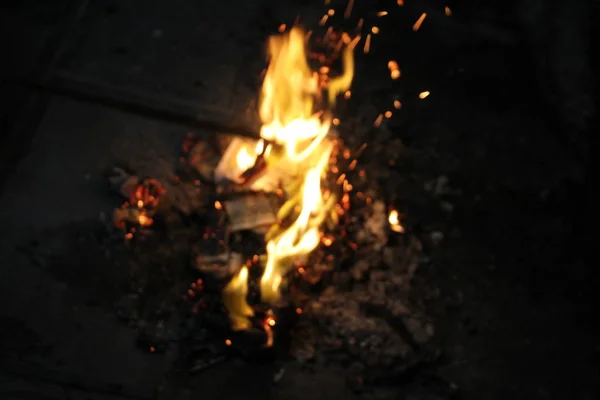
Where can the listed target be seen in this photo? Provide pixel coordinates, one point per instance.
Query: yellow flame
(289, 92)
(301, 237)
(287, 111)
(244, 159)
(394, 220)
(295, 118)
(234, 300)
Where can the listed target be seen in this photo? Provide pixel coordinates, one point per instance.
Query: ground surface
(513, 311)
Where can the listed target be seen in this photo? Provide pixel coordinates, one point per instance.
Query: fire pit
(294, 251)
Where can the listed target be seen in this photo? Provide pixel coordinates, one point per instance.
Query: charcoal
(354, 377)
(122, 181)
(359, 269)
(152, 337)
(303, 352)
(203, 158)
(376, 225)
(397, 307)
(186, 197)
(128, 214)
(203, 364)
(436, 237)
(220, 266)
(401, 258)
(420, 329)
(127, 307)
(278, 375)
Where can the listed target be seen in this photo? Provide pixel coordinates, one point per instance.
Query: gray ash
(349, 303)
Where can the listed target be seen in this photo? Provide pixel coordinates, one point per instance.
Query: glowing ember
(417, 24)
(424, 94)
(394, 69)
(139, 210)
(394, 220)
(296, 120)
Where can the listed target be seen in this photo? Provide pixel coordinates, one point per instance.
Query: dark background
(511, 123)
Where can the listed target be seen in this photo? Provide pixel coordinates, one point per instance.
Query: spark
(394, 69)
(417, 24)
(348, 10)
(424, 94)
(367, 44)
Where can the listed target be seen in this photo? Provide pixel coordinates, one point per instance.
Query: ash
(354, 301)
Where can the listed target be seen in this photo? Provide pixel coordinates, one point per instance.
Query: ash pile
(350, 302)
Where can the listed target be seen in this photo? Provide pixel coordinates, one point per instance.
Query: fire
(234, 299)
(394, 220)
(296, 117)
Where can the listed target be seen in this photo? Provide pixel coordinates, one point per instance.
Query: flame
(289, 94)
(244, 159)
(234, 300)
(296, 118)
(394, 220)
(301, 237)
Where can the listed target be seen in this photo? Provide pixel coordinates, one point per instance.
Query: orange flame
(287, 111)
(296, 119)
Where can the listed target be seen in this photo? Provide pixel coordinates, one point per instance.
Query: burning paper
(240, 156)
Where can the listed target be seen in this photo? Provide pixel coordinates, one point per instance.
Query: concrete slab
(202, 59)
(48, 334)
(32, 33)
(179, 50)
(56, 186)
